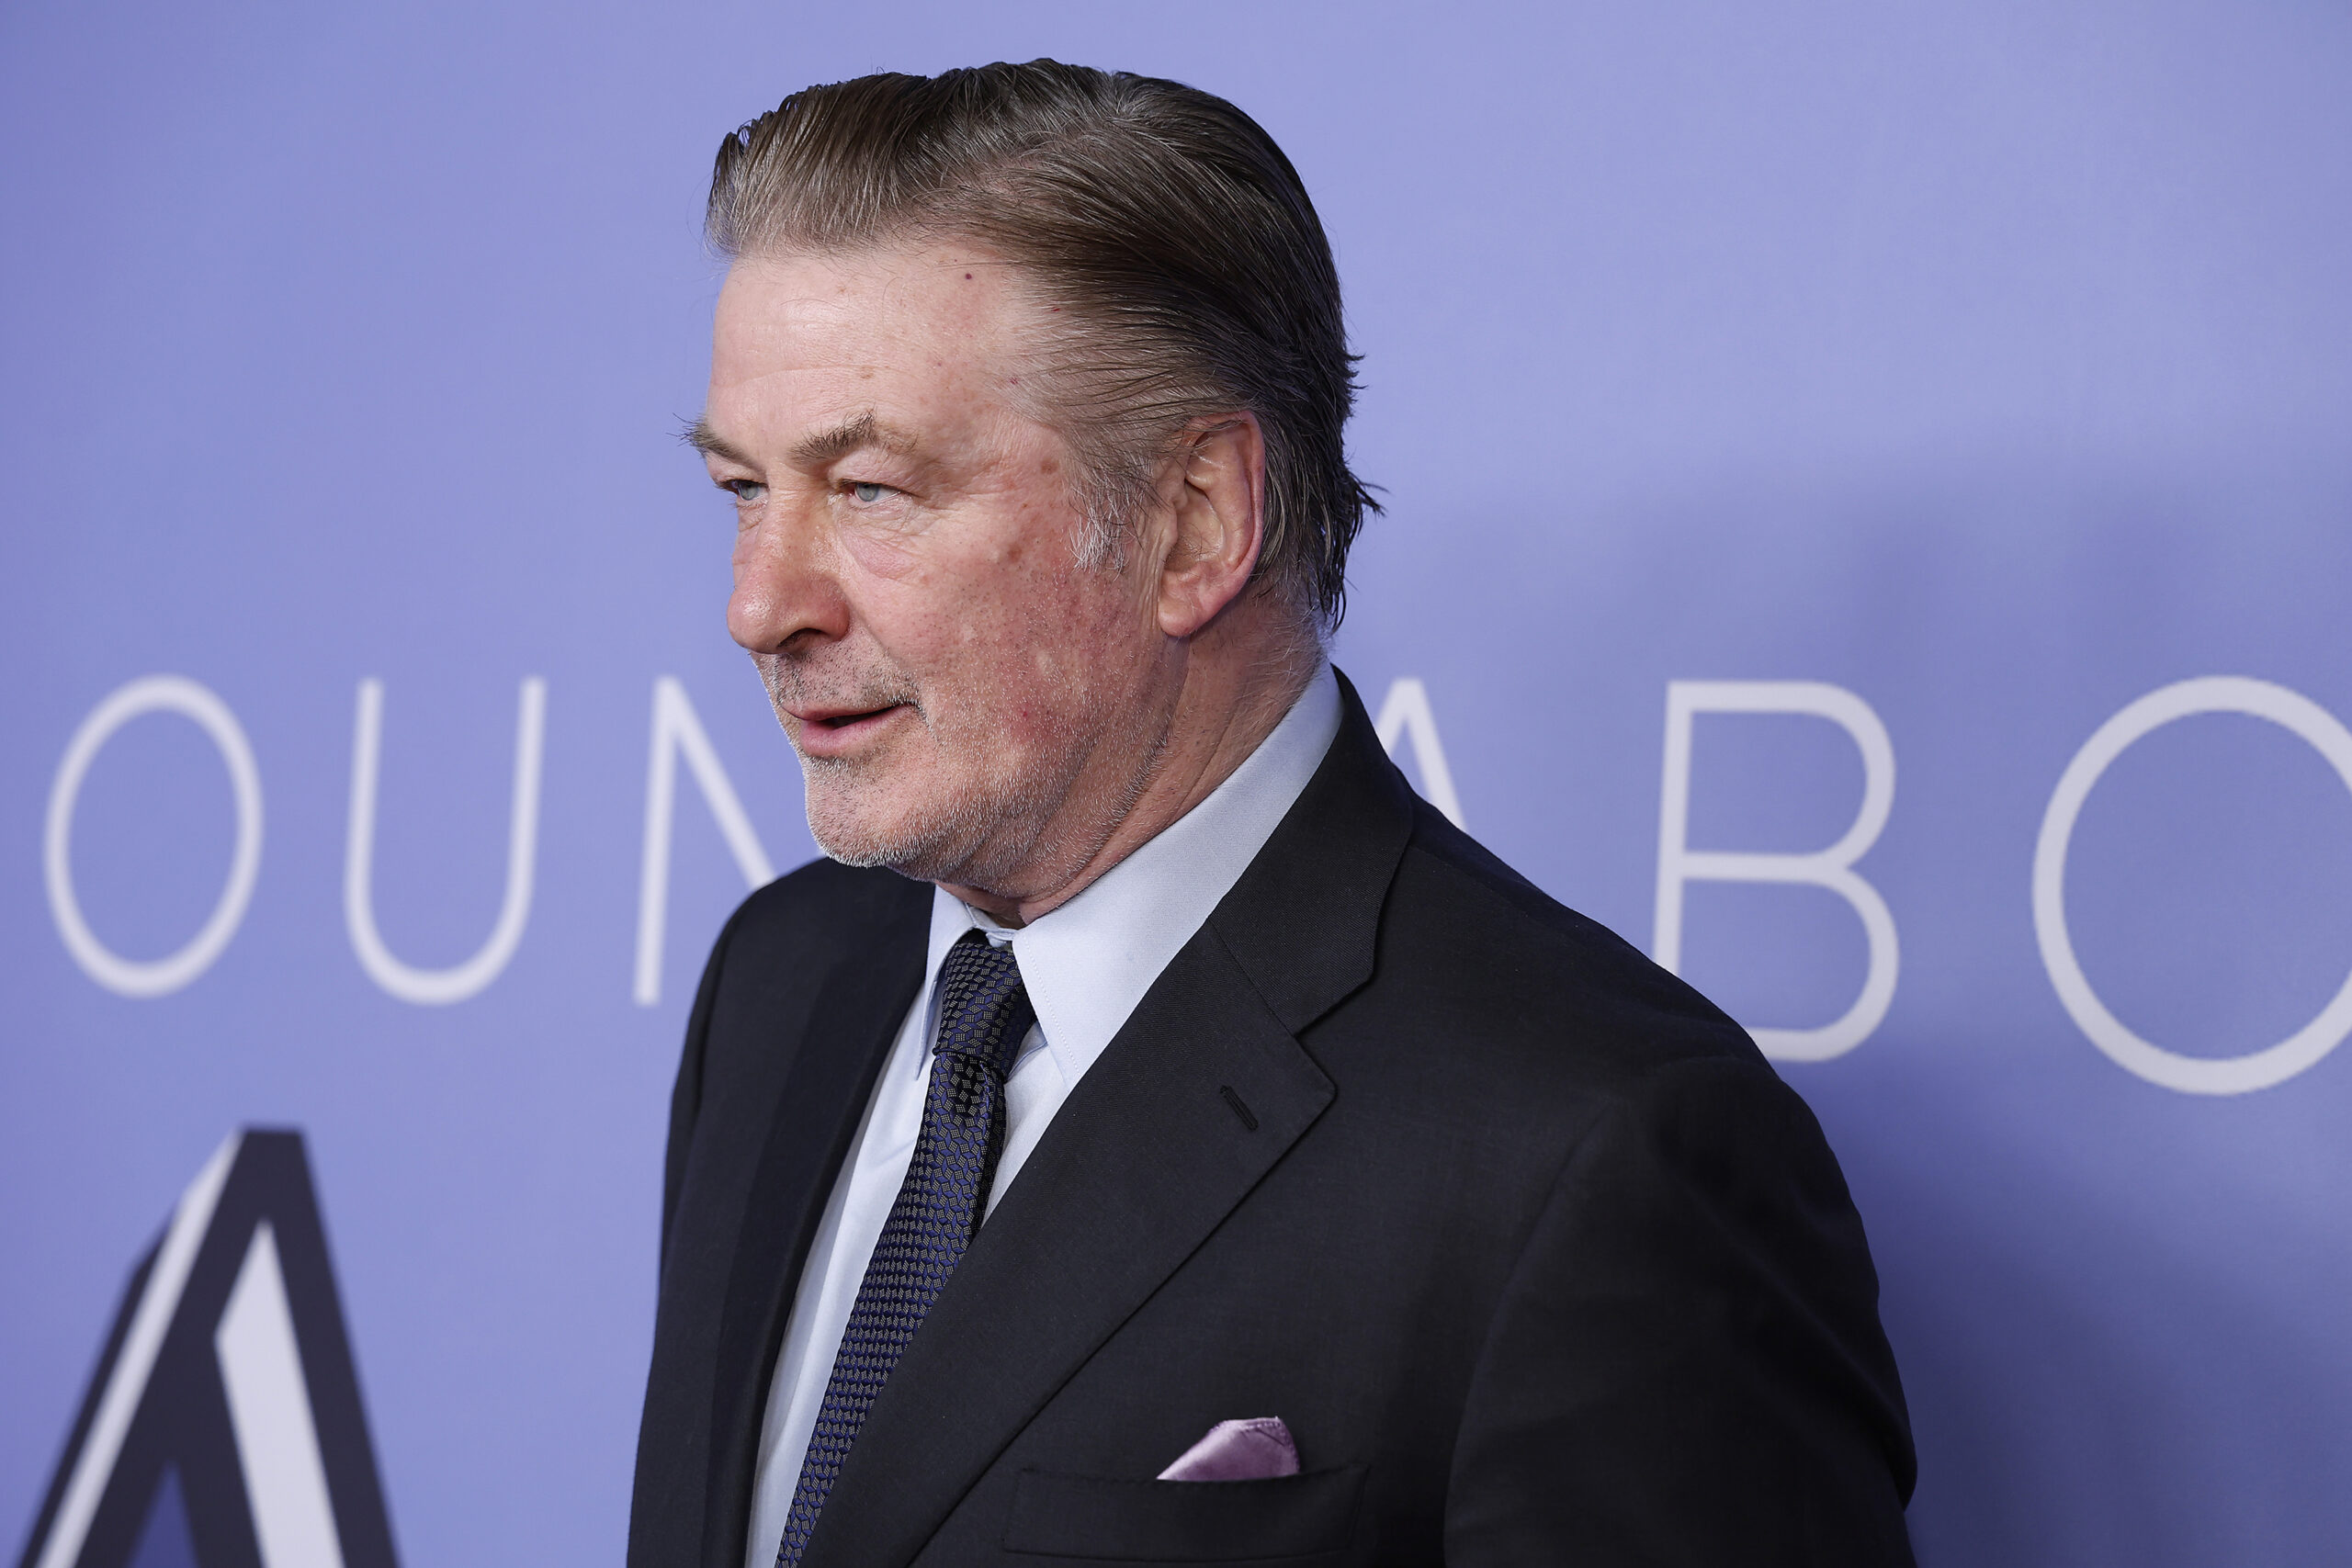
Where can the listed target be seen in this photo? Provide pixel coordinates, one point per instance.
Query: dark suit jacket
(1533, 1253)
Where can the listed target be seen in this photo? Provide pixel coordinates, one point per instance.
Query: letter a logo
(224, 1427)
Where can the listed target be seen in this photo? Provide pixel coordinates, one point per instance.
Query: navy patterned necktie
(984, 1013)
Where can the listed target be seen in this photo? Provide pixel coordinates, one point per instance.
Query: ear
(1217, 490)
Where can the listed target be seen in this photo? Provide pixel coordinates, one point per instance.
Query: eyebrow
(704, 440)
(850, 435)
(811, 451)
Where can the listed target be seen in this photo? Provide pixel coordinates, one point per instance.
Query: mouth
(827, 732)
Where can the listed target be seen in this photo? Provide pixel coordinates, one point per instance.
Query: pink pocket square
(1257, 1449)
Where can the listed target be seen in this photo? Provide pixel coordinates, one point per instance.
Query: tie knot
(984, 1009)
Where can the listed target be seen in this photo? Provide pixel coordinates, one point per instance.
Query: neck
(1233, 686)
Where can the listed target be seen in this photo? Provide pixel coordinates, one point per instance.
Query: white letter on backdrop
(2190, 1075)
(1405, 712)
(1832, 868)
(676, 729)
(153, 694)
(433, 987)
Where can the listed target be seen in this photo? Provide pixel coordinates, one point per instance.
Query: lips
(829, 731)
(843, 719)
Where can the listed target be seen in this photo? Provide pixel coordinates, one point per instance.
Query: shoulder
(1523, 1026)
(1552, 1045)
(1527, 985)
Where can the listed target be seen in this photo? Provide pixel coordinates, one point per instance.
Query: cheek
(1010, 660)
(1079, 646)
(1017, 641)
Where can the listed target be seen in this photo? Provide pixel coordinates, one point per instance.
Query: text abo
(1833, 868)
(677, 734)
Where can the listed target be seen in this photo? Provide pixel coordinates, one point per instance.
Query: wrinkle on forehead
(885, 350)
(886, 295)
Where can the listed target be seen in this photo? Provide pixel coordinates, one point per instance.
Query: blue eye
(868, 494)
(749, 491)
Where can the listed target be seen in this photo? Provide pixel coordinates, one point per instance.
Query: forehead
(804, 334)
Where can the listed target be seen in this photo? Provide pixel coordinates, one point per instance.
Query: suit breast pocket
(1084, 1518)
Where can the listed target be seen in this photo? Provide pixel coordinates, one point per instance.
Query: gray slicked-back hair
(1171, 231)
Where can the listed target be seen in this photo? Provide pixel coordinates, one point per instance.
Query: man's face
(906, 572)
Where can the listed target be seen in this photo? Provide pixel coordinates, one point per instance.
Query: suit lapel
(848, 1034)
(1141, 1164)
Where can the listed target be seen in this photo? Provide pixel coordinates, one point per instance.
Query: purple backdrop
(1990, 363)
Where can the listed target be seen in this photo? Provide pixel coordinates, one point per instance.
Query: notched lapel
(850, 1029)
(1141, 1164)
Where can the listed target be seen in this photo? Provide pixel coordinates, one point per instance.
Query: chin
(979, 833)
(925, 844)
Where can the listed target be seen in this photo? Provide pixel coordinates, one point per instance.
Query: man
(1155, 1135)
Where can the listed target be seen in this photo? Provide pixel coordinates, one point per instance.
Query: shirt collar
(1088, 962)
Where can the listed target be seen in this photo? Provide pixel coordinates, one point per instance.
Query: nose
(786, 592)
